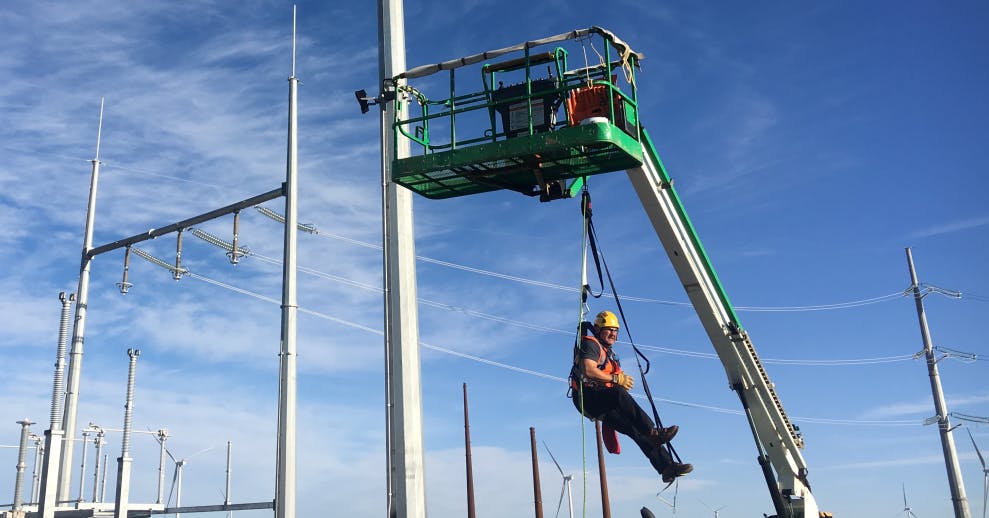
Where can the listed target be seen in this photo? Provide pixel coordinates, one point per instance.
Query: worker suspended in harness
(600, 391)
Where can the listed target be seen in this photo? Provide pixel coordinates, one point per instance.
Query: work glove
(624, 380)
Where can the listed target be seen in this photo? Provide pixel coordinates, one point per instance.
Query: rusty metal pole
(470, 466)
(535, 474)
(605, 505)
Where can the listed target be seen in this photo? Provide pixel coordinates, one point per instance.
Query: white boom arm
(777, 439)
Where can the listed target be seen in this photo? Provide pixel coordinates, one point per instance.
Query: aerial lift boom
(777, 439)
(462, 147)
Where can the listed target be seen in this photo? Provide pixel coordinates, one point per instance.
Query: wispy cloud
(951, 227)
(922, 407)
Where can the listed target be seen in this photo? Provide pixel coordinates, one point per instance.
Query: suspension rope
(584, 207)
(592, 235)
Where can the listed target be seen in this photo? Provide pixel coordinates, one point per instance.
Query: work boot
(676, 470)
(664, 435)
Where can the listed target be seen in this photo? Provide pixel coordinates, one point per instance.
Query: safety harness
(599, 261)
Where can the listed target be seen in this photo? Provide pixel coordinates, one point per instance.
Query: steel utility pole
(958, 499)
(64, 472)
(403, 387)
(285, 476)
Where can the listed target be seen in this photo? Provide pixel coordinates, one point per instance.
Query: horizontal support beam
(203, 509)
(213, 214)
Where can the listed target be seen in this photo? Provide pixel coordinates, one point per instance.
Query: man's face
(608, 335)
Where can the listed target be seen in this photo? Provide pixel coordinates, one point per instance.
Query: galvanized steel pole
(404, 453)
(124, 462)
(285, 476)
(82, 465)
(226, 493)
(21, 463)
(39, 452)
(958, 499)
(161, 435)
(100, 441)
(64, 473)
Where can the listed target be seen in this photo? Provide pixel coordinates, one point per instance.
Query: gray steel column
(100, 440)
(21, 463)
(406, 480)
(162, 435)
(226, 493)
(124, 462)
(958, 499)
(285, 483)
(64, 473)
(39, 452)
(82, 465)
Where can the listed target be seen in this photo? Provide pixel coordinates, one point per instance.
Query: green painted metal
(694, 238)
(513, 136)
(522, 163)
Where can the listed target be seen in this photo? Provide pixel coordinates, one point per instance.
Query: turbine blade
(560, 503)
(175, 477)
(554, 458)
(171, 456)
(979, 453)
(905, 506)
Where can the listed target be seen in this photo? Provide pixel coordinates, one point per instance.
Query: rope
(638, 354)
(584, 206)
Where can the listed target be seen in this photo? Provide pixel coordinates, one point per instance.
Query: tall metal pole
(470, 465)
(537, 491)
(82, 465)
(605, 499)
(162, 436)
(226, 493)
(21, 463)
(404, 454)
(958, 499)
(285, 477)
(124, 462)
(64, 473)
(100, 441)
(39, 452)
(103, 478)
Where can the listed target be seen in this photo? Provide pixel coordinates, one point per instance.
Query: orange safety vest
(607, 363)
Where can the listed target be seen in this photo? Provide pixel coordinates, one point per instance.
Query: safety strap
(592, 238)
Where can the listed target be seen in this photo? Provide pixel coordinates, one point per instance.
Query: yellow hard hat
(606, 319)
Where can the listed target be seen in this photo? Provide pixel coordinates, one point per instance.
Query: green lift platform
(509, 133)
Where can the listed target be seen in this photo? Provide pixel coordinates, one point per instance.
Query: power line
(570, 289)
(514, 368)
(543, 375)
(536, 327)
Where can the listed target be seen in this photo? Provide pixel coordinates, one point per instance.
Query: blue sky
(811, 143)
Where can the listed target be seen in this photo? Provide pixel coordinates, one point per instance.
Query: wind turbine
(567, 479)
(906, 506)
(985, 472)
(716, 511)
(177, 477)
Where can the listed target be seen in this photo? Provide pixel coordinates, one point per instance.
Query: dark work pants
(615, 407)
